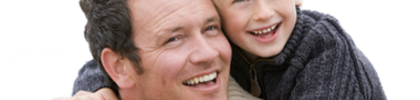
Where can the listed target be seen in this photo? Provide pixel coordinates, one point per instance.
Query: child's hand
(102, 94)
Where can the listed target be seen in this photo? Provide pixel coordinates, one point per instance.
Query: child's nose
(262, 11)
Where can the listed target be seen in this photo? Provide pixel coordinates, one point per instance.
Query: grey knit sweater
(319, 62)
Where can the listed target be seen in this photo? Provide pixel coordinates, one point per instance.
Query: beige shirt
(235, 92)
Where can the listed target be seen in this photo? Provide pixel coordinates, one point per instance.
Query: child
(281, 52)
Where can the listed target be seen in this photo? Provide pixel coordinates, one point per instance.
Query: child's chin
(268, 52)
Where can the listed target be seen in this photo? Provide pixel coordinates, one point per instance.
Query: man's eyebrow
(176, 29)
(211, 19)
(167, 32)
(173, 30)
(170, 30)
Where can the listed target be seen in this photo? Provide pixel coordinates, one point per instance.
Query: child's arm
(337, 68)
(90, 79)
(101, 94)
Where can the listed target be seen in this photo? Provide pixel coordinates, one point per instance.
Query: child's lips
(266, 35)
(264, 29)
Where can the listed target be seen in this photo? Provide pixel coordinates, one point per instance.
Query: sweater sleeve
(90, 78)
(334, 67)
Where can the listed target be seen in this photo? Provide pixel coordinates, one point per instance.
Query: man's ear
(115, 68)
(298, 3)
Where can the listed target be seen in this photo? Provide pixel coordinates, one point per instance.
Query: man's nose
(203, 53)
(262, 11)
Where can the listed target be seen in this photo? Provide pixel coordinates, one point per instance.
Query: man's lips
(202, 75)
(201, 79)
(206, 85)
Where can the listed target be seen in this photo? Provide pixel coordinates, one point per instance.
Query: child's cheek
(237, 24)
(229, 25)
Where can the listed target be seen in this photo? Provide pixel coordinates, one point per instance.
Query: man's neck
(130, 95)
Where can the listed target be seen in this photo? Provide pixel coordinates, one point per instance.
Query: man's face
(183, 51)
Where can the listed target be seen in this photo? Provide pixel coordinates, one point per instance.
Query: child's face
(260, 27)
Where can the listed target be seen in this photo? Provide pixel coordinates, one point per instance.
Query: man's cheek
(172, 67)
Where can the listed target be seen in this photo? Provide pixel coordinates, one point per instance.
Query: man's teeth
(264, 30)
(201, 79)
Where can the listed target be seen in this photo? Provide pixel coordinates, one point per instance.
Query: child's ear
(115, 68)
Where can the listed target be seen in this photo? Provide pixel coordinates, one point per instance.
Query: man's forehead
(152, 12)
(149, 10)
(165, 6)
(161, 16)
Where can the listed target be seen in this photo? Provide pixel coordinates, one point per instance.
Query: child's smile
(265, 35)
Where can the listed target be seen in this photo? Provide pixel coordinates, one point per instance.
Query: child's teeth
(265, 30)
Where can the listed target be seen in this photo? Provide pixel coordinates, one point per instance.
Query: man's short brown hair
(109, 26)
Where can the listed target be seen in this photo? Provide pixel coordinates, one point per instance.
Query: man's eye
(211, 28)
(172, 39)
(239, 1)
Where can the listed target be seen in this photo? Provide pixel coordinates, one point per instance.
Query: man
(159, 49)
